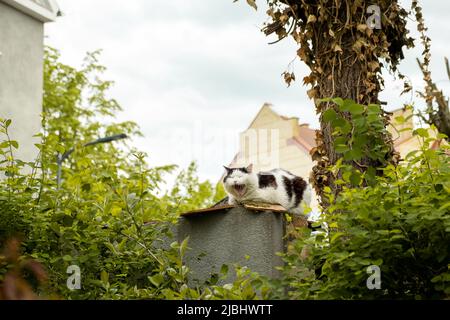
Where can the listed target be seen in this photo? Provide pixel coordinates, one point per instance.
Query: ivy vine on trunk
(345, 44)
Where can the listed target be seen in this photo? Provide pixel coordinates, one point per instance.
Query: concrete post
(227, 235)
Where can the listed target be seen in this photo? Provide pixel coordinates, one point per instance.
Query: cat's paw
(232, 201)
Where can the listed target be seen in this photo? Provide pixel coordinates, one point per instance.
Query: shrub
(398, 221)
(108, 214)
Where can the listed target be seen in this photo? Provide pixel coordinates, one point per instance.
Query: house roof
(306, 136)
(42, 10)
(265, 106)
(304, 139)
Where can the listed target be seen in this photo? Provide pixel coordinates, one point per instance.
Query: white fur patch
(270, 194)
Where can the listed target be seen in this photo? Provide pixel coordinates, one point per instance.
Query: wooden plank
(205, 210)
(253, 206)
(264, 207)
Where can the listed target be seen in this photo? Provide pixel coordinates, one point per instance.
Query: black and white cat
(276, 186)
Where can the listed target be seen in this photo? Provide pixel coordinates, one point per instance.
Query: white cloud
(194, 73)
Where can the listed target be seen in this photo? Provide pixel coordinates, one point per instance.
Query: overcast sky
(194, 73)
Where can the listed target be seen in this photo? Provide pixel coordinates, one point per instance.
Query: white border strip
(35, 10)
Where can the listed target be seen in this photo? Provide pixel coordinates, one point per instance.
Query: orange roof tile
(308, 136)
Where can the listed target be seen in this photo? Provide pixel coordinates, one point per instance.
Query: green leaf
(329, 115)
(370, 175)
(323, 100)
(444, 206)
(373, 109)
(224, 269)
(421, 132)
(111, 247)
(336, 236)
(356, 109)
(400, 119)
(338, 101)
(341, 140)
(355, 178)
(346, 105)
(341, 148)
(371, 118)
(338, 122)
(183, 246)
(341, 126)
(441, 136)
(359, 121)
(104, 276)
(411, 154)
(15, 144)
(359, 141)
(156, 279)
(354, 154)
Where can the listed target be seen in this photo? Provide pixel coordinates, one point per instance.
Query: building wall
(399, 129)
(21, 81)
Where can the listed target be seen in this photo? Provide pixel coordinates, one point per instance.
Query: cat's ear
(226, 168)
(249, 168)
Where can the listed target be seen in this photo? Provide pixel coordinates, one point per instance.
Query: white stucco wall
(21, 77)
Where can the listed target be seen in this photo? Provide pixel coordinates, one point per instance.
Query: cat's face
(237, 180)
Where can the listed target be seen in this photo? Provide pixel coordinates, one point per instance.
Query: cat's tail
(222, 202)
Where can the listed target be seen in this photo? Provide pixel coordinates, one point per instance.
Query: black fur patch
(227, 176)
(231, 170)
(267, 180)
(299, 186)
(288, 186)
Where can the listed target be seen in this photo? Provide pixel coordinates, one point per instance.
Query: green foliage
(12, 220)
(400, 222)
(248, 285)
(112, 217)
(109, 216)
(201, 194)
(358, 130)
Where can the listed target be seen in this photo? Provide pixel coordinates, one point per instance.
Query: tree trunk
(348, 81)
(343, 42)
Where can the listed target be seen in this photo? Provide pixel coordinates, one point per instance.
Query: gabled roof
(42, 10)
(305, 139)
(306, 136)
(266, 107)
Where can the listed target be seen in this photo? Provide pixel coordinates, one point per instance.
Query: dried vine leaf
(252, 3)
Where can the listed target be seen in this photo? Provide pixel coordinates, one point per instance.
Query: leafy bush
(398, 221)
(108, 214)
